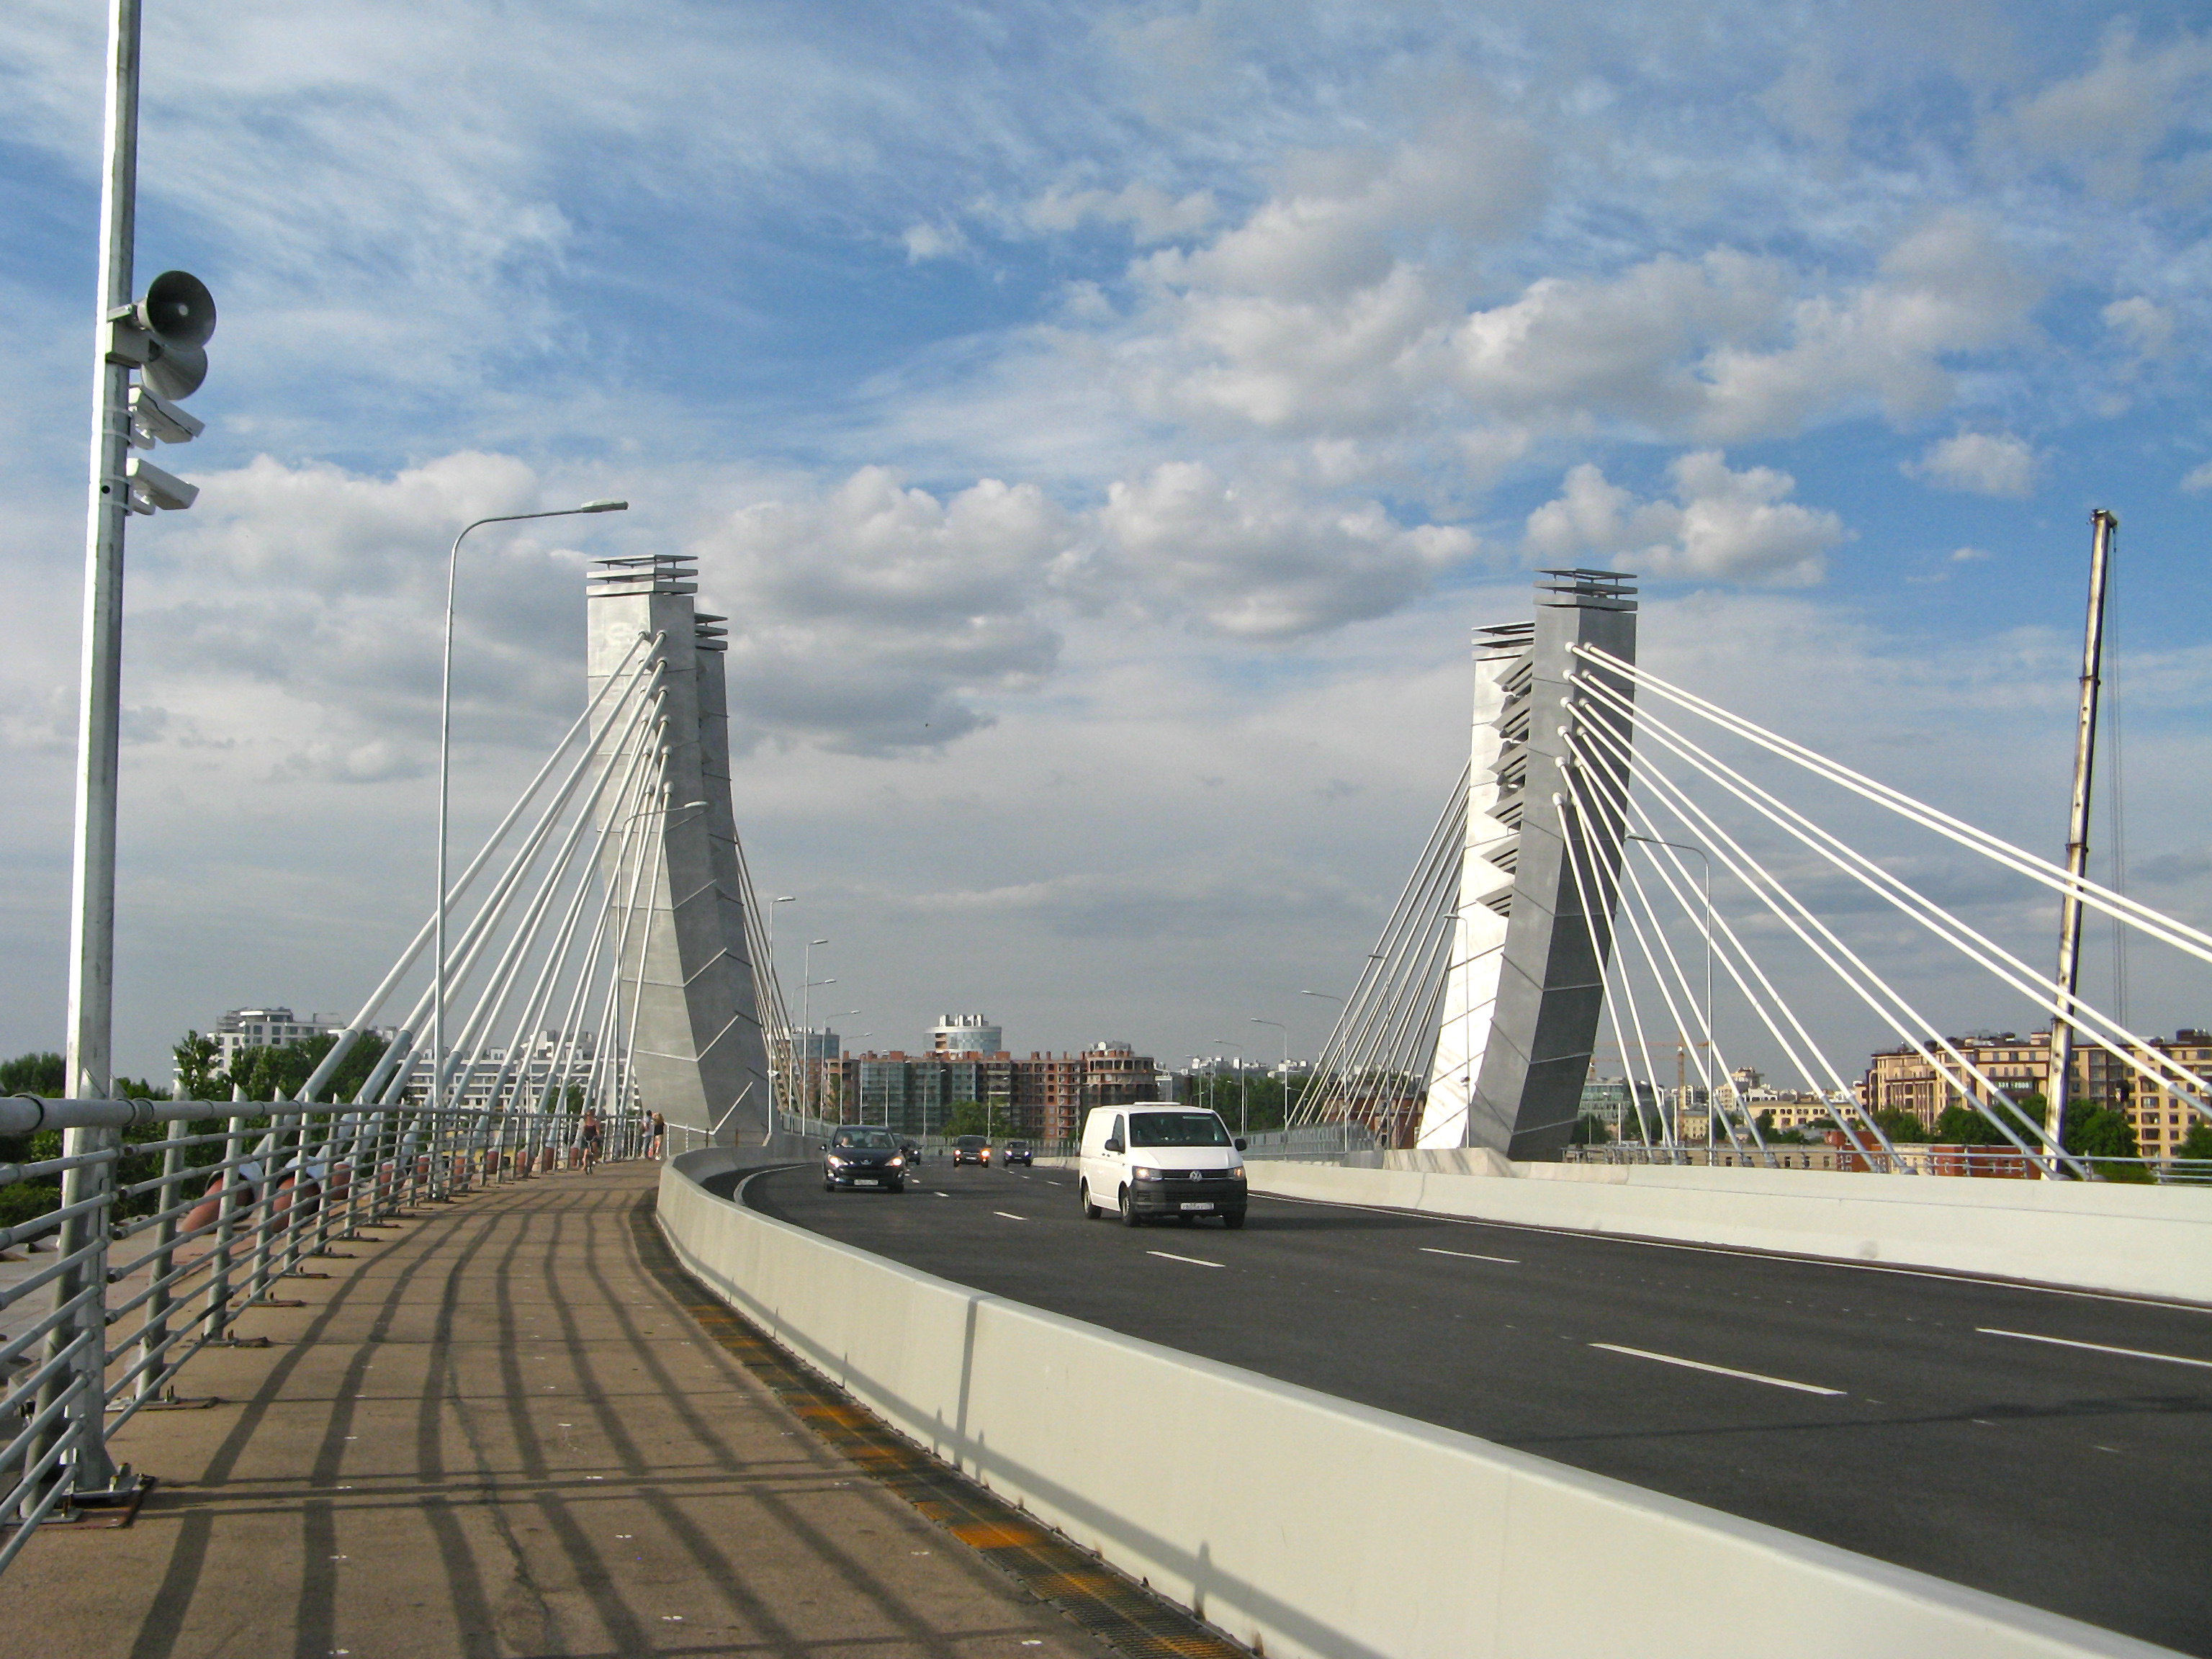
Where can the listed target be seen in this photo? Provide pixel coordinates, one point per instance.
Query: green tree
(199, 1075)
(2197, 1143)
(286, 1066)
(2099, 1132)
(41, 1074)
(966, 1118)
(1900, 1125)
(1590, 1130)
(1962, 1126)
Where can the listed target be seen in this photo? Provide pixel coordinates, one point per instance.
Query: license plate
(1198, 1207)
(863, 1181)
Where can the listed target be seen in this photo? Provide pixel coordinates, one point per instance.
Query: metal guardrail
(1998, 1162)
(147, 1270)
(1312, 1141)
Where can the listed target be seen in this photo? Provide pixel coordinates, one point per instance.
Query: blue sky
(1102, 424)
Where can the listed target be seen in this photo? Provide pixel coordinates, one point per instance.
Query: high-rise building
(1898, 1079)
(966, 1034)
(1042, 1096)
(266, 1028)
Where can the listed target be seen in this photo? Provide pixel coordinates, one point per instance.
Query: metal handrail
(289, 1180)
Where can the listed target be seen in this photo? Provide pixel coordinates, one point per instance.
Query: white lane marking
(1010, 1215)
(2096, 1348)
(1717, 1371)
(1747, 1254)
(940, 1194)
(1196, 1262)
(1469, 1255)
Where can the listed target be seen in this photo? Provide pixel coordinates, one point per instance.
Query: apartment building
(1900, 1079)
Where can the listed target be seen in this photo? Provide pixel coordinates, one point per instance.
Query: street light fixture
(1243, 1096)
(1286, 1030)
(445, 778)
(806, 1023)
(783, 1033)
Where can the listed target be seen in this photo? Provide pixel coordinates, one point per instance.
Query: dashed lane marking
(1470, 1255)
(1719, 1371)
(2095, 1347)
(1010, 1215)
(1196, 1262)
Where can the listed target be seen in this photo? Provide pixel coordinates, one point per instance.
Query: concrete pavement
(495, 1431)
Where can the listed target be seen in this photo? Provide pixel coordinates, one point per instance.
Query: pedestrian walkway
(494, 1431)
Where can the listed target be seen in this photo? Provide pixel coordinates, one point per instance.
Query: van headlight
(1235, 1172)
(1141, 1173)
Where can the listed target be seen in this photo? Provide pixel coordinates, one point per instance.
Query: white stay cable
(2160, 1069)
(507, 972)
(1636, 912)
(1870, 987)
(361, 1021)
(2158, 924)
(1610, 968)
(1610, 767)
(1575, 849)
(475, 934)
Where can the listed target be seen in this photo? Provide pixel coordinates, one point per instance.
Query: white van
(1156, 1158)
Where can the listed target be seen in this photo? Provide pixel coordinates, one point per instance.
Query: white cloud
(870, 617)
(1344, 217)
(933, 241)
(1258, 563)
(2146, 326)
(1627, 347)
(1737, 526)
(1980, 463)
(1150, 214)
(2113, 125)
(2198, 478)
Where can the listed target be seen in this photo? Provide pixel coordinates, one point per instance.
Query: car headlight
(897, 1163)
(1143, 1174)
(836, 1162)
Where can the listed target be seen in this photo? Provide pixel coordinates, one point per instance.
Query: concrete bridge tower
(699, 1057)
(1523, 987)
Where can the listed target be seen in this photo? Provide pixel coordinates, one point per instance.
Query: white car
(1157, 1160)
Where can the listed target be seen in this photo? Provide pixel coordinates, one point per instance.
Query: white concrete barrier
(1307, 1525)
(2138, 1241)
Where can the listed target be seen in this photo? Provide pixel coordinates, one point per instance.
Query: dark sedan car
(863, 1157)
(1018, 1151)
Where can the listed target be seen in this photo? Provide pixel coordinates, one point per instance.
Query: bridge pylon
(1525, 980)
(686, 984)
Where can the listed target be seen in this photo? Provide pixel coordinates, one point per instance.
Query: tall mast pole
(2102, 525)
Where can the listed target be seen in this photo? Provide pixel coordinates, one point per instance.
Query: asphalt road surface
(2052, 1446)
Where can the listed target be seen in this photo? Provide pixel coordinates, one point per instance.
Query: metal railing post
(155, 1334)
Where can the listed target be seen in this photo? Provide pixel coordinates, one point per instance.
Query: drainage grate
(1117, 1610)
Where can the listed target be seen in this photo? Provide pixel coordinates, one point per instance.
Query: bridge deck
(496, 1432)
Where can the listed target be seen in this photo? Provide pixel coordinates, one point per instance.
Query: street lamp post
(444, 778)
(783, 1033)
(1243, 1099)
(850, 1013)
(1325, 997)
(1286, 1030)
(806, 1023)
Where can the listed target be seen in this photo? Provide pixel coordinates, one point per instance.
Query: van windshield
(1177, 1130)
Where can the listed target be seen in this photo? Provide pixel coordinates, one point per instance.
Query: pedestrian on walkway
(659, 1130)
(587, 1138)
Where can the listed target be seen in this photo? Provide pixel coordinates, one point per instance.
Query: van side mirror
(1113, 1143)
(1240, 1143)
